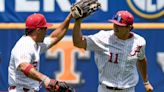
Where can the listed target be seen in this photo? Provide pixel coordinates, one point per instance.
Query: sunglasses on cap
(118, 18)
(124, 21)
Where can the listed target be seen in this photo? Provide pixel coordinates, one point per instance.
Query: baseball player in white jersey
(24, 75)
(118, 52)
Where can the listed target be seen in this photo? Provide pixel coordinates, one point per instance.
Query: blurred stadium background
(67, 63)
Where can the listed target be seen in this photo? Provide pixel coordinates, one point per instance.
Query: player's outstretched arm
(50, 84)
(142, 66)
(59, 33)
(78, 39)
(30, 71)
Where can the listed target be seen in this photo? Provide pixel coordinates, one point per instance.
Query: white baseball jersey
(116, 59)
(25, 50)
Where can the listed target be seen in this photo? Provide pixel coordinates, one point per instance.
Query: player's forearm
(142, 65)
(78, 39)
(61, 30)
(34, 74)
(77, 35)
(31, 72)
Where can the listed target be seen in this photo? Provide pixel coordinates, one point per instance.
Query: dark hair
(28, 31)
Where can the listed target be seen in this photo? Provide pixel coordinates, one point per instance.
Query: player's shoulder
(105, 32)
(23, 43)
(24, 40)
(138, 38)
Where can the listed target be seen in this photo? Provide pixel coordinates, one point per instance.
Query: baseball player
(118, 52)
(24, 75)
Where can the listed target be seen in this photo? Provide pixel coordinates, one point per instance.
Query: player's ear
(131, 27)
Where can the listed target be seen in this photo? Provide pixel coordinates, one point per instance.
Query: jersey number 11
(111, 56)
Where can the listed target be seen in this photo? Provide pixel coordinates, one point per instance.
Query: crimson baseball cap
(36, 20)
(123, 18)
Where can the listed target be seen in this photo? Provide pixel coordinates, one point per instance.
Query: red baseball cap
(123, 18)
(36, 20)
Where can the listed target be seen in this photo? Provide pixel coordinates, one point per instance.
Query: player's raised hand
(84, 8)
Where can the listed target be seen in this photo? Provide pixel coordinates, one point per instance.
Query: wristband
(42, 82)
(146, 83)
(44, 79)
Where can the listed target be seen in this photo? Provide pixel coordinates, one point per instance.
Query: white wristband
(146, 83)
(42, 82)
(45, 79)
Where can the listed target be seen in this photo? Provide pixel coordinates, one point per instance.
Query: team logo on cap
(149, 9)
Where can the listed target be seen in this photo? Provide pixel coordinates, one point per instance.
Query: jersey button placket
(123, 60)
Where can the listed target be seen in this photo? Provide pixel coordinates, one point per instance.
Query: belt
(14, 87)
(111, 88)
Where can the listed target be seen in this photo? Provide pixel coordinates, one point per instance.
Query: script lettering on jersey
(68, 58)
(136, 51)
(111, 55)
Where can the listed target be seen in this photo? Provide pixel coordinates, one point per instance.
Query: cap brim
(117, 23)
(49, 25)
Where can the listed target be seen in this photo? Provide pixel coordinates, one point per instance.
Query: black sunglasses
(118, 18)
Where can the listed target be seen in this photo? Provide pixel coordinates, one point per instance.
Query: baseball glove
(56, 86)
(84, 8)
